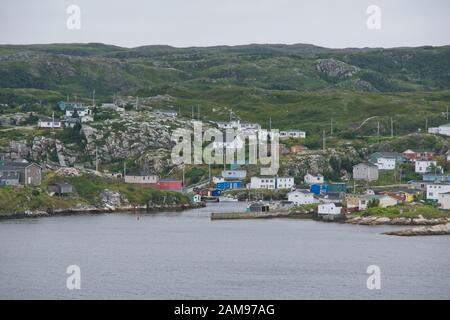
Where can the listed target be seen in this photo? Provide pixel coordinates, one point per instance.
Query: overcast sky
(184, 23)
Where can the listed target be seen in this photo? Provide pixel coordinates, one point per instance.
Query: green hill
(297, 85)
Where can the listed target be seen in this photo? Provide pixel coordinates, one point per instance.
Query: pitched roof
(14, 165)
(368, 164)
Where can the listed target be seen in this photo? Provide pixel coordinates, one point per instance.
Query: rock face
(113, 199)
(335, 69)
(440, 229)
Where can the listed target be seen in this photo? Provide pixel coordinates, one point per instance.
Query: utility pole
(93, 98)
(331, 126)
(183, 176)
(323, 140)
(192, 113)
(209, 172)
(230, 115)
(378, 130)
(447, 112)
(53, 121)
(426, 125)
(270, 123)
(198, 112)
(96, 159)
(124, 169)
(392, 128)
(137, 103)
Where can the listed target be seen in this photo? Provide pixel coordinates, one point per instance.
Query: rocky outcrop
(440, 229)
(113, 199)
(373, 220)
(336, 69)
(363, 86)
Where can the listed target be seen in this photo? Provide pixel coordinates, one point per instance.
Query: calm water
(187, 256)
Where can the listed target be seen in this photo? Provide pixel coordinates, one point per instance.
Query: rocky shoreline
(400, 221)
(441, 229)
(90, 209)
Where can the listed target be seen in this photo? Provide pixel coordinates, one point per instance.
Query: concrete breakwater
(259, 215)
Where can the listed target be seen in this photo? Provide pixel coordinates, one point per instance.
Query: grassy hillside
(297, 85)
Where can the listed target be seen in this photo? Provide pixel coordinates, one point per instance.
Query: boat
(210, 199)
(227, 199)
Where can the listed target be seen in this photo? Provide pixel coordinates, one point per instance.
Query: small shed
(258, 207)
(61, 188)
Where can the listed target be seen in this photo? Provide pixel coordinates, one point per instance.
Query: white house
(435, 189)
(295, 134)
(329, 208)
(443, 129)
(365, 171)
(284, 182)
(217, 179)
(300, 197)
(196, 198)
(313, 178)
(80, 111)
(424, 166)
(444, 200)
(271, 182)
(141, 179)
(237, 124)
(386, 163)
(112, 106)
(387, 201)
(48, 123)
(263, 182)
(237, 143)
(234, 174)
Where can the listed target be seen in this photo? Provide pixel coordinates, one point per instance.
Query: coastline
(90, 209)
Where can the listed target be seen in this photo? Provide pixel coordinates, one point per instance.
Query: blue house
(321, 188)
(224, 185)
(431, 177)
(63, 105)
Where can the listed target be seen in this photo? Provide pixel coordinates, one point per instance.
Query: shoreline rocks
(90, 209)
(419, 221)
(441, 229)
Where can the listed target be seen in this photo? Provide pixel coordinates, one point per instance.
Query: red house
(413, 155)
(170, 184)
